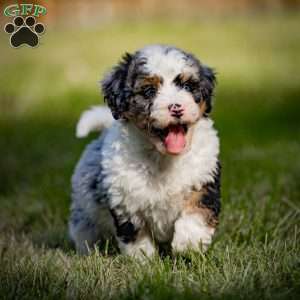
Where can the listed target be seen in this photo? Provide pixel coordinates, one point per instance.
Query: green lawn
(256, 252)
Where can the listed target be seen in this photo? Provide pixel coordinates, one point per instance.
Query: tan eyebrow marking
(183, 77)
(152, 80)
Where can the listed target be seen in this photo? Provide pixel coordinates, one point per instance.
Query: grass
(256, 252)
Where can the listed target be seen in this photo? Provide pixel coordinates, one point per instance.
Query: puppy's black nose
(176, 110)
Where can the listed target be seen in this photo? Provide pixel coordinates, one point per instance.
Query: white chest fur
(145, 182)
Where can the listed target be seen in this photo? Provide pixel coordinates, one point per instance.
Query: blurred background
(253, 45)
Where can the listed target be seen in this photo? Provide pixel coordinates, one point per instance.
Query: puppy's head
(164, 91)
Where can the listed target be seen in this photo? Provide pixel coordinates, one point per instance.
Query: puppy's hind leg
(83, 230)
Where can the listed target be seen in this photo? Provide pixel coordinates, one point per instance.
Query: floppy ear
(207, 85)
(114, 87)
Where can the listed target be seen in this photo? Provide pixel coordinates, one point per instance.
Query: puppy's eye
(187, 86)
(148, 92)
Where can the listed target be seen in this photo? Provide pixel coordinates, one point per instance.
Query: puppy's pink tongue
(175, 140)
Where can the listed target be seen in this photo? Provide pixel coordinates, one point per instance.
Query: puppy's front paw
(191, 232)
(141, 248)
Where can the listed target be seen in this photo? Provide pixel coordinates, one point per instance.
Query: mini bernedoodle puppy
(153, 176)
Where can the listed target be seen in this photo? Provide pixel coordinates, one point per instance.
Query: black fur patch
(212, 197)
(118, 85)
(114, 87)
(126, 230)
(206, 84)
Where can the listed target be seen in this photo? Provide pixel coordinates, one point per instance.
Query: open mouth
(173, 137)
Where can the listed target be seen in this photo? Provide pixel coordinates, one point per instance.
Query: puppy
(153, 176)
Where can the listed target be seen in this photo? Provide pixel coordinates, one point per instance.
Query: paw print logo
(24, 32)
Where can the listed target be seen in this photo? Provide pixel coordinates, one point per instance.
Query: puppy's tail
(94, 119)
